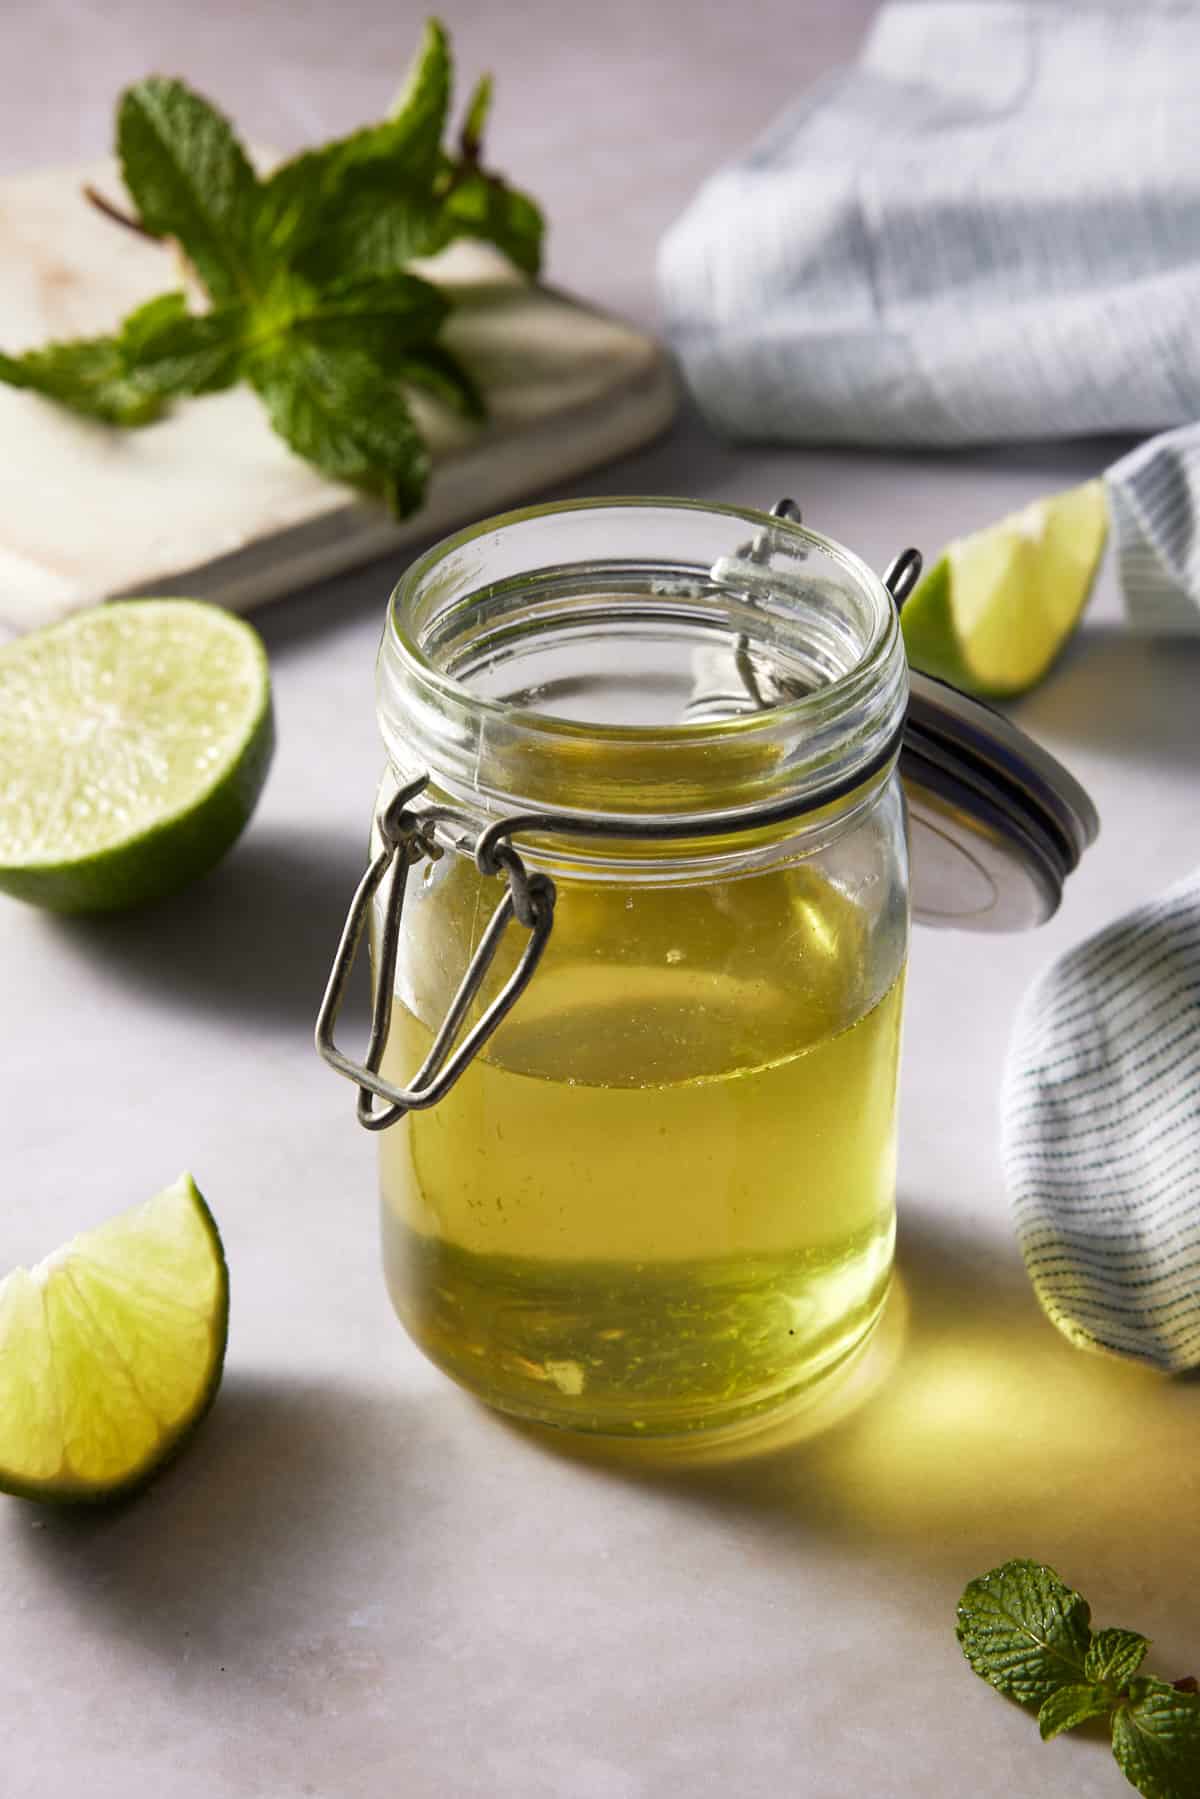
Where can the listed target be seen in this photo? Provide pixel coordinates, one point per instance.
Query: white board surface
(208, 501)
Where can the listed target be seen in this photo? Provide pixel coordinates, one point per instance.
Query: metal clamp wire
(494, 838)
(529, 899)
(902, 574)
(409, 835)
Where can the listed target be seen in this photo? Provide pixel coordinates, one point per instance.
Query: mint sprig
(305, 272)
(1156, 1739)
(1028, 1634)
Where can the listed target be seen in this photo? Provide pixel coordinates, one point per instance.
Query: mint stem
(115, 213)
(1188, 1684)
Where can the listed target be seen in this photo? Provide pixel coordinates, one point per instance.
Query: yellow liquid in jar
(663, 1198)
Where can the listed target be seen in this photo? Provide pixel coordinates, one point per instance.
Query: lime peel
(994, 611)
(134, 742)
(111, 1351)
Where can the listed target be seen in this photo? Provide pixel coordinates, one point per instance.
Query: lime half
(134, 742)
(111, 1350)
(996, 608)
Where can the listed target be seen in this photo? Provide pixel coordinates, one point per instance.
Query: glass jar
(659, 1197)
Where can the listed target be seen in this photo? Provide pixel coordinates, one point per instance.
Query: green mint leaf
(140, 325)
(1156, 1740)
(475, 120)
(340, 412)
(302, 205)
(161, 350)
(88, 375)
(304, 200)
(1071, 1706)
(173, 351)
(377, 222)
(441, 374)
(286, 200)
(1114, 1657)
(1024, 1631)
(190, 179)
(421, 108)
(384, 316)
(484, 206)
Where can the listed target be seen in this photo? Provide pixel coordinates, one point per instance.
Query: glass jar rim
(427, 713)
(818, 701)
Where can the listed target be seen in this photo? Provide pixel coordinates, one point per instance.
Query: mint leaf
(1114, 1657)
(484, 206)
(138, 326)
(301, 208)
(90, 376)
(336, 409)
(441, 374)
(389, 319)
(1070, 1706)
(161, 350)
(191, 180)
(178, 352)
(419, 114)
(475, 120)
(1156, 1740)
(381, 315)
(1024, 1631)
(375, 222)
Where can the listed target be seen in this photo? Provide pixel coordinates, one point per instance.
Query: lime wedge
(134, 742)
(111, 1350)
(996, 608)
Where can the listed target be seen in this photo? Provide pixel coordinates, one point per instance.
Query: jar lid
(996, 823)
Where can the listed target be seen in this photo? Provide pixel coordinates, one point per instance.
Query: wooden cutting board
(209, 502)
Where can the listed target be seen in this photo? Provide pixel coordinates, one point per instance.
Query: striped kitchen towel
(1154, 499)
(1101, 1135)
(987, 227)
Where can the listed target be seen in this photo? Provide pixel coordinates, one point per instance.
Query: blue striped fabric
(987, 227)
(1154, 498)
(1101, 1135)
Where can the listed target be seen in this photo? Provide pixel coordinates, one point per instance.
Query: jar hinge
(407, 838)
(900, 576)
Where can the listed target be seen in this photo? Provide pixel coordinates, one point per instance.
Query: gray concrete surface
(358, 1585)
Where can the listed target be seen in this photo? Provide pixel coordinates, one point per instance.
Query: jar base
(805, 1409)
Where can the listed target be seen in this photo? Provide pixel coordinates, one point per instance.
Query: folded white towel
(988, 227)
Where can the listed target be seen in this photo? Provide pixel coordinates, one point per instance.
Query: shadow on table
(252, 1543)
(257, 935)
(991, 1438)
(1121, 693)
